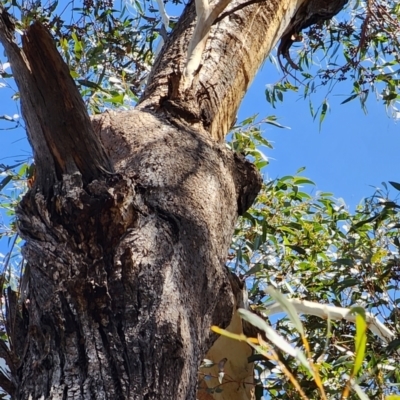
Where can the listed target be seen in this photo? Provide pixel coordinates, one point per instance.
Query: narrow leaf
(322, 116)
(352, 97)
(274, 337)
(288, 307)
(360, 339)
(4, 182)
(395, 185)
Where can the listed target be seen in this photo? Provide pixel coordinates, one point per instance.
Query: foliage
(15, 180)
(360, 47)
(314, 248)
(308, 247)
(109, 51)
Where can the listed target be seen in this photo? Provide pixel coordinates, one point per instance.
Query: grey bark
(126, 274)
(128, 225)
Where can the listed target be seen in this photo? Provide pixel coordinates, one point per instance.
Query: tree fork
(126, 272)
(237, 45)
(127, 269)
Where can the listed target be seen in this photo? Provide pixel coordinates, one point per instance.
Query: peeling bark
(238, 380)
(129, 223)
(237, 46)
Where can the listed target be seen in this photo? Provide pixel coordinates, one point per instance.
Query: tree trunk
(130, 219)
(126, 274)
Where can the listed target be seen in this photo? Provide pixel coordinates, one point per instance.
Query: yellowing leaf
(228, 334)
(378, 255)
(360, 341)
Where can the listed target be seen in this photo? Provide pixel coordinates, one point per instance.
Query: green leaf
(249, 120)
(349, 282)
(274, 337)
(255, 269)
(272, 122)
(299, 249)
(322, 116)
(395, 185)
(5, 181)
(118, 99)
(352, 97)
(254, 319)
(311, 109)
(301, 181)
(77, 44)
(74, 74)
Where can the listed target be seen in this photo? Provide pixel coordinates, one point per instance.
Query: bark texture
(237, 46)
(58, 125)
(128, 225)
(127, 273)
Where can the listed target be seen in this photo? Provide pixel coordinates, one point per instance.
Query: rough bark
(126, 246)
(127, 273)
(57, 122)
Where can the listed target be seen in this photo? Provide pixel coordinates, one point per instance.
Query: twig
(334, 313)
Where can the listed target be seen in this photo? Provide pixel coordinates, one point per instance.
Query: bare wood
(238, 380)
(334, 313)
(206, 17)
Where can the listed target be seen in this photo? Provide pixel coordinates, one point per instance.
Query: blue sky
(352, 152)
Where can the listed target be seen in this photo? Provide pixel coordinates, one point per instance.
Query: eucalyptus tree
(130, 215)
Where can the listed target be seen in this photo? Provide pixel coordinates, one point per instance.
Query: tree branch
(58, 125)
(234, 51)
(7, 385)
(164, 26)
(205, 19)
(335, 313)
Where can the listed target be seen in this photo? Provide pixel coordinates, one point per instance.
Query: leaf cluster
(360, 47)
(312, 247)
(109, 51)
